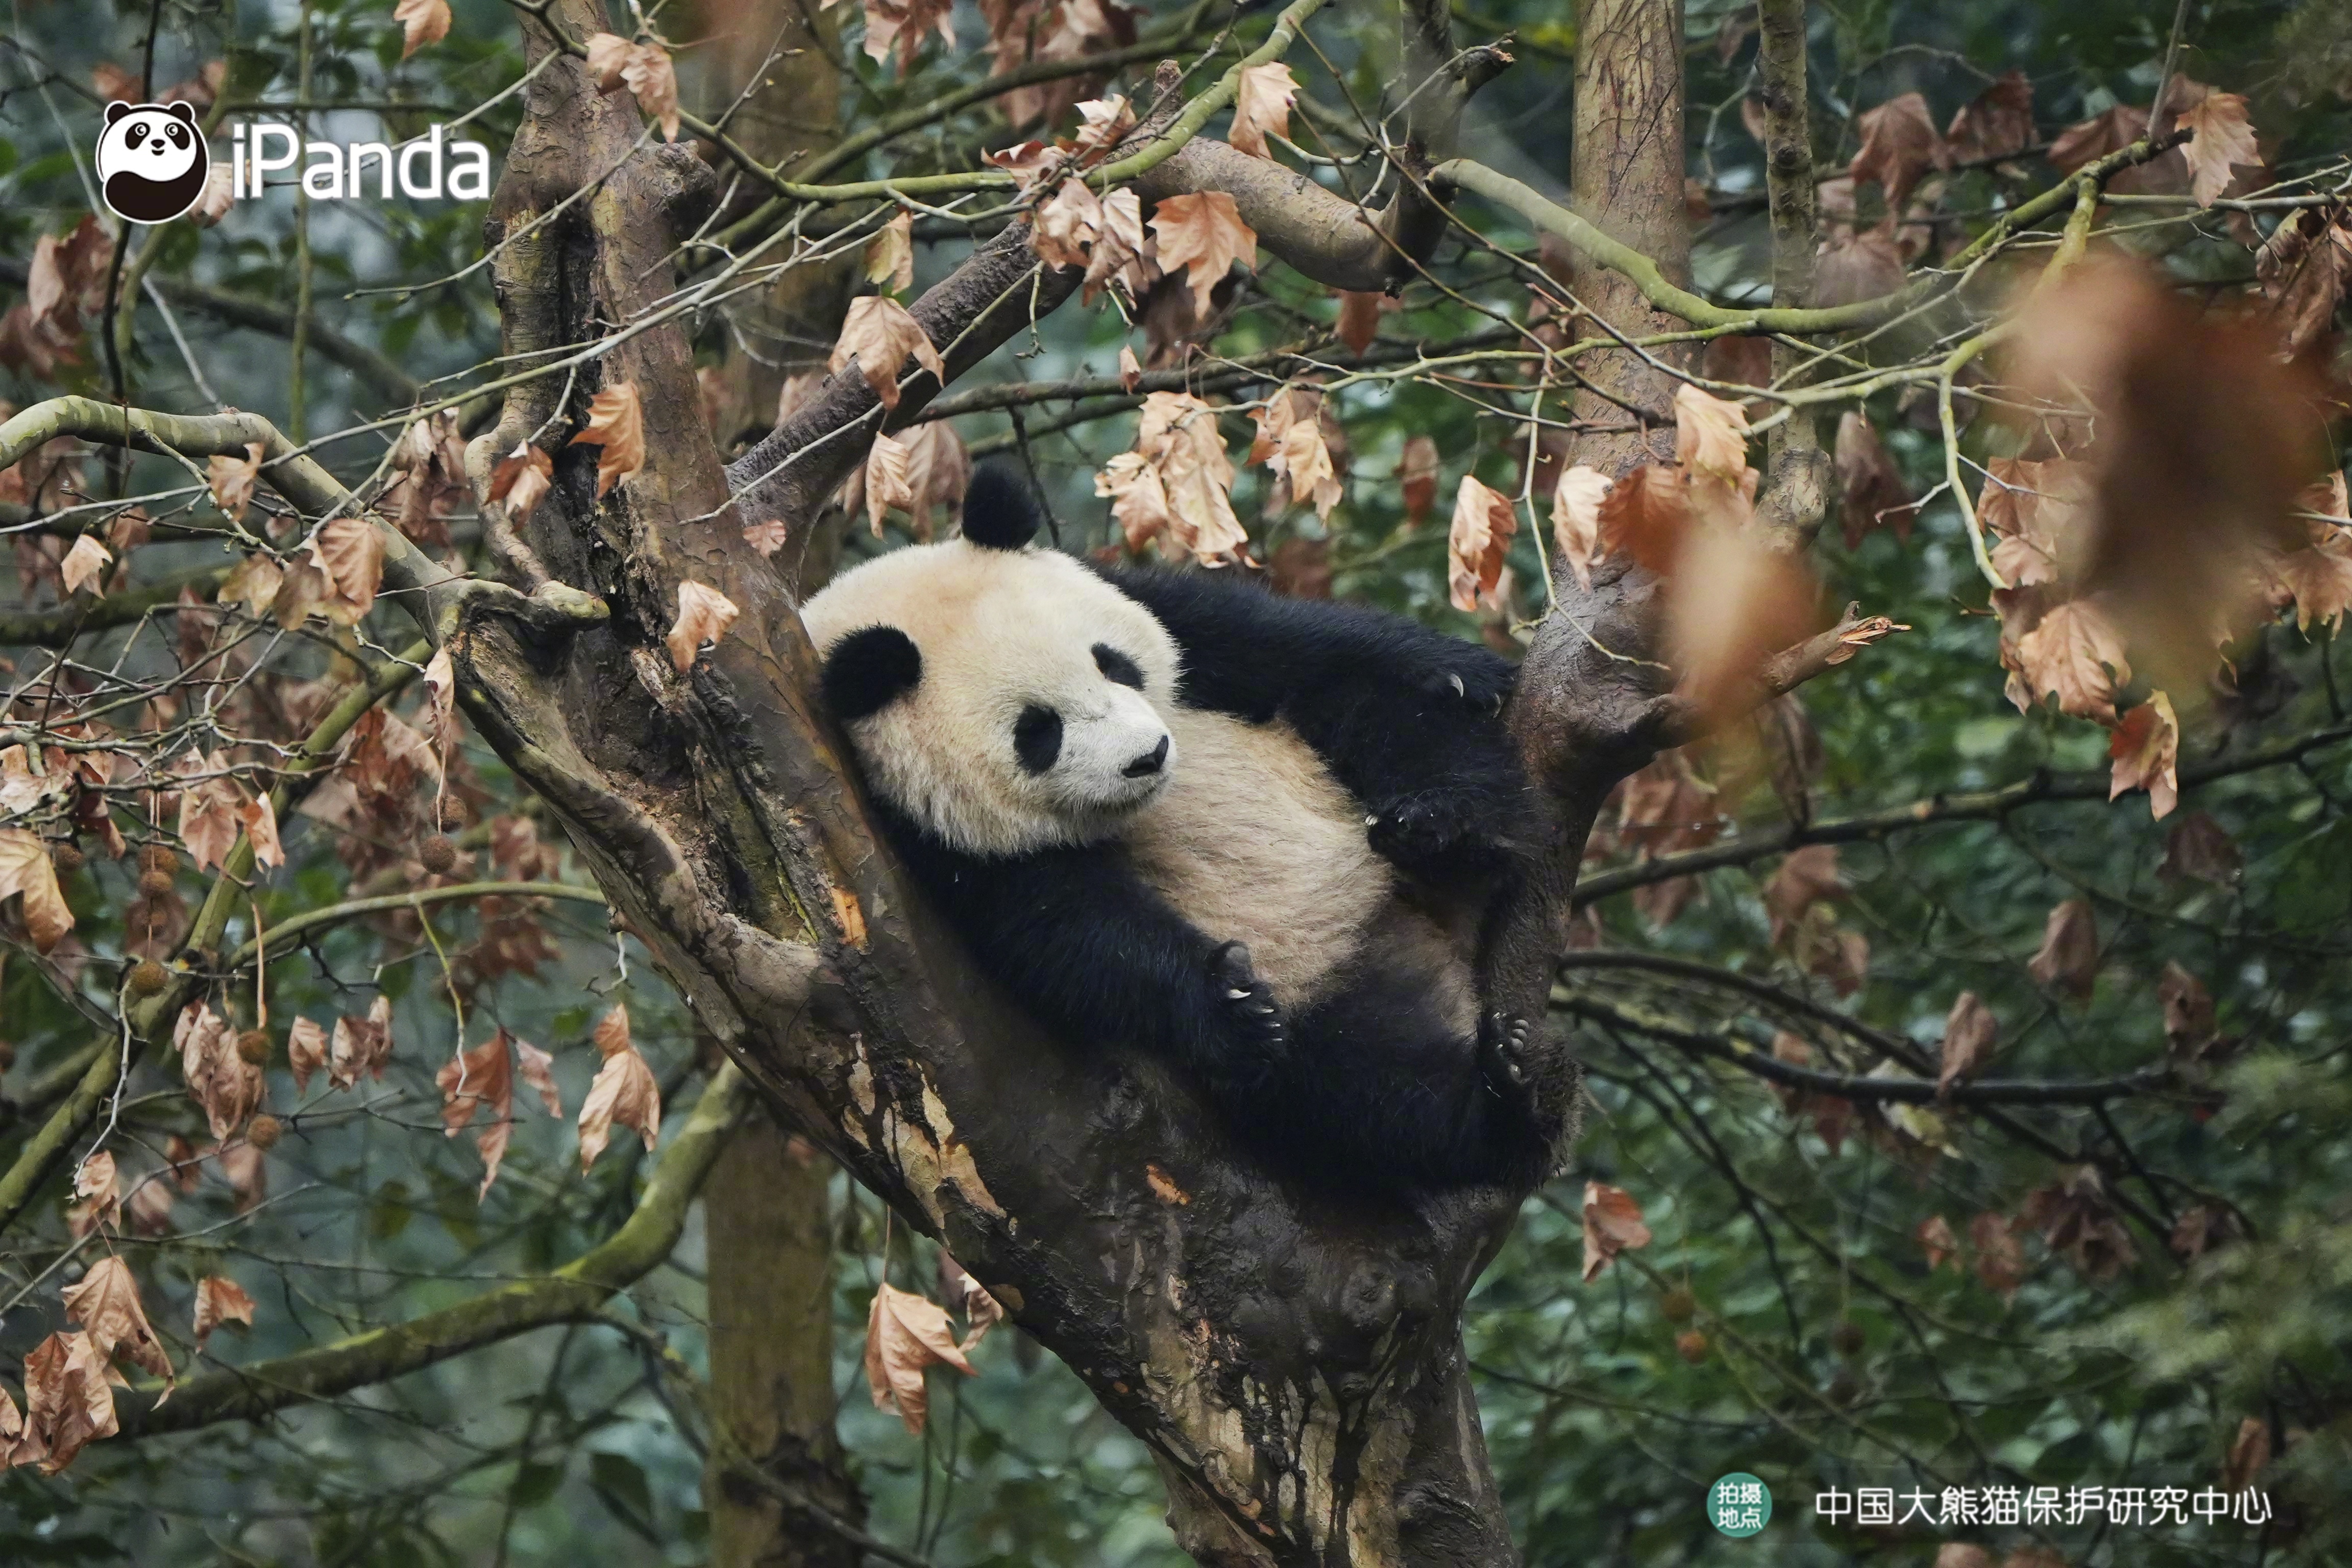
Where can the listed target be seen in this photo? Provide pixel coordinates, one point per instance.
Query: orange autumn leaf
(351, 552)
(906, 1335)
(26, 868)
(624, 1092)
(470, 1081)
(68, 1402)
(879, 333)
(1483, 524)
(361, 1044)
(1576, 518)
(885, 481)
(2068, 959)
(1204, 235)
(306, 1051)
(220, 1299)
(229, 1088)
(704, 614)
(2075, 654)
(1710, 435)
(521, 479)
(1417, 476)
(105, 1305)
(85, 563)
(1360, 319)
(1131, 369)
(616, 428)
(2146, 751)
(422, 22)
(230, 480)
(890, 255)
(1935, 1239)
(1899, 143)
(2224, 137)
(1970, 1031)
(1612, 1224)
(1262, 107)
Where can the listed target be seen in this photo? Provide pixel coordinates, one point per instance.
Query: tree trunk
(767, 1220)
(1292, 1359)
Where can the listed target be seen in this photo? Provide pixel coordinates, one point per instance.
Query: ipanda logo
(152, 164)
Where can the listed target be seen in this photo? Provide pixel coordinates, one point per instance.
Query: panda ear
(999, 510)
(115, 111)
(869, 669)
(185, 110)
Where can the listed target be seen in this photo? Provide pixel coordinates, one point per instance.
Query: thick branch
(573, 1292)
(81, 616)
(290, 932)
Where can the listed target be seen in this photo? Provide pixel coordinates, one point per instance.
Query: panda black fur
(1254, 836)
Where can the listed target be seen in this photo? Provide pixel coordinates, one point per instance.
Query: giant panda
(1252, 836)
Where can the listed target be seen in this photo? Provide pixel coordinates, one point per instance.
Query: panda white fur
(1255, 836)
(151, 160)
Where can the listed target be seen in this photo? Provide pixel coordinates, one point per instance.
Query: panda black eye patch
(1037, 738)
(1117, 666)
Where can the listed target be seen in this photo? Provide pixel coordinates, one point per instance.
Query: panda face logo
(152, 161)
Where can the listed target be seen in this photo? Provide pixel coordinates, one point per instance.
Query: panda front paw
(1506, 1055)
(1433, 831)
(1248, 1001)
(1483, 685)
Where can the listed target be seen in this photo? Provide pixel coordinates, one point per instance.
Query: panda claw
(1504, 1049)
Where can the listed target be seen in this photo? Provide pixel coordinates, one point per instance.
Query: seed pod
(158, 858)
(1691, 1345)
(154, 883)
(253, 1045)
(148, 977)
(453, 813)
(1847, 1339)
(438, 854)
(263, 1132)
(1676, 1305)
(67, 858)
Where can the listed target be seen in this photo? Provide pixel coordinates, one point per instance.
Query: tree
(2132, 478)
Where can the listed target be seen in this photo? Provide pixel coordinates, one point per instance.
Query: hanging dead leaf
(1122, 252)
(537, 1069)
(1103, 124)
(521, 479)
(225, 1084)
(2078, 1221)
(1290, 443)
(97, 1197)
(1576, 504)
(624, 1092)
(966, 1295)
(1484, 524)
(1997, 123)
(1899, 144)
(1417, 476)
(471, 1080)
(2220, 138)
(1204, 235)
(901, 25)
(1646, 515)
(1806, 877)
(1612, 1224)
(1262, 108)
(68, 1402)
(2145, 749)
(2000, 1261)
(26, 868)
(1710, 435)
(1360, 319)
(879, 333)
(1733, 601)
(2075, 654)
(1970, 1031)
(259, 817)
(704, 614)
(1935, 1239)
(890, 255)
(107, 1306)
(220, 1299)
(351, 552)
(886, 479)
(2188, 1017)
(306, 1051)
(1870, 490)
(231, 479)
(1856, 265)
(906, 1334)
(1130, 369)
(616, 428)
(2094, 139)
(85, 563)
(219, 196)
(1177, 484)
(1066, 227)
(2200, 848)
(939, 471)
(361, 1044)
(422, 22)
(2068, 959)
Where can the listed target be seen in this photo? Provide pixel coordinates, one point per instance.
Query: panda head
(1000, 696)
(151, 160)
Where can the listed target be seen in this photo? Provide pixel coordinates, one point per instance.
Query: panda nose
(1150, 763)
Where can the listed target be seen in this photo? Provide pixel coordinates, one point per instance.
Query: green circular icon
(1738, 1505)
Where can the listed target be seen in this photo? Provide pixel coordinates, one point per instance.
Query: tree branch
(285, 935)
(572, 1294)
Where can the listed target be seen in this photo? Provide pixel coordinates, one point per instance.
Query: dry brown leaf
(2037, 513)
(1857, 265)
(2000, 1261)
(68, 1402)
(211, 817)
(361, 1044)
(2145, 750)
(26, 868)
(1935, 1239)
(616, 428)
(1806, 877)
(1130, 369)
(225, 1085)
(2094, 138)
(2303, 267)
(768, 537)
(2078, 1220)
(1970, 1031)
(1576, 504)
(306, 1051)
(1872, 493)
(1710, 435)
(624, 1092)
(939, 471)
(113, 84)
(965, 1294)
(1612, 1224)
(879, 333)
(1899, 144)
(86, 563)
(1122, 252)
(704, 614)
(1177, 483)
(2068, 959)
(259, 817)
(1646, 515)
(2223, 138)
(220, 1299)
(906, 1334)
(2250, 1453)
(231, 479)
(1262, 107)
(521, 479)
(1103, 124)
(1290, 442)
(1417, 476)
(1204, 235)
(1064, 229)
(422, 22)
(885, 479)
(2076, 655)
(890, 255)
(2188, 1017)
(1733, 601)
(1360, 319)
(107, 1308)
(471, 1080)
(1997, 123)
(1484, 524)
(537, 1069)
(901, 25)
(97, 1195)
(351, 552)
